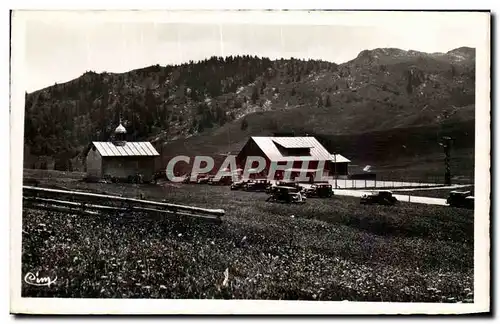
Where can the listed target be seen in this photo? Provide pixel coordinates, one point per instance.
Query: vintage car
(382, 197)
(320, 190)
(290, 184)
(258, 185)
(282, 183)
(240, 184)
(463, 199)
(286, 195)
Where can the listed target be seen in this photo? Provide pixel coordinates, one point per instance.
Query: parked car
(258, 185)
(290, 184)
(463, 199)
(323, 190)
(287, 195)
(382, 197)
(240, 184)
(285, 184)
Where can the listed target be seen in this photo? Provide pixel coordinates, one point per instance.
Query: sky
(63, 47)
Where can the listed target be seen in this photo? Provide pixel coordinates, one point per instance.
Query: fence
(92, 203)
(371, 184)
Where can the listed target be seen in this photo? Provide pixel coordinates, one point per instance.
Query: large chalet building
(283, 150)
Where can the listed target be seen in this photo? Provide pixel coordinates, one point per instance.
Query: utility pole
(335, 168)
(446, 144)
(228, 142)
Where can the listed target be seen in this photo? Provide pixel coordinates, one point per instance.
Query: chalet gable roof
(127, 149)
(317, 152)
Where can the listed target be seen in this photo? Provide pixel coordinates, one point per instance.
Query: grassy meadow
(326, 249)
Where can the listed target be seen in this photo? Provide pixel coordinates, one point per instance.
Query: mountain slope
(236, 97)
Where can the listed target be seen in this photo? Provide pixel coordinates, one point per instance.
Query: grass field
(326, 249)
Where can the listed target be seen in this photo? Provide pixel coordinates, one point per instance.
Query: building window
(295, 151)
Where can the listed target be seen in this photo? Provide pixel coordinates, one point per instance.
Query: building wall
(93, 163)
(124, 166)
(252, 149)
(147, 167)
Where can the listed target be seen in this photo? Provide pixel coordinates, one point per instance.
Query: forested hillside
(379, 90)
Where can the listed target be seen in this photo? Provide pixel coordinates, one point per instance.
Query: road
(452, 187)
(406, 198)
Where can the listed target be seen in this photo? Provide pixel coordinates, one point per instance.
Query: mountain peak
(383, 54)
(464, 50)
(462, 53)
(377, 52)
(390, 55)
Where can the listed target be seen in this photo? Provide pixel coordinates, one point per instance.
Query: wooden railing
(93, 203)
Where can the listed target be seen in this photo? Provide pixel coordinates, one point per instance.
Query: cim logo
(35, 279)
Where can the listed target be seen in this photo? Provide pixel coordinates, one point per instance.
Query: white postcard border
(155, 306)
